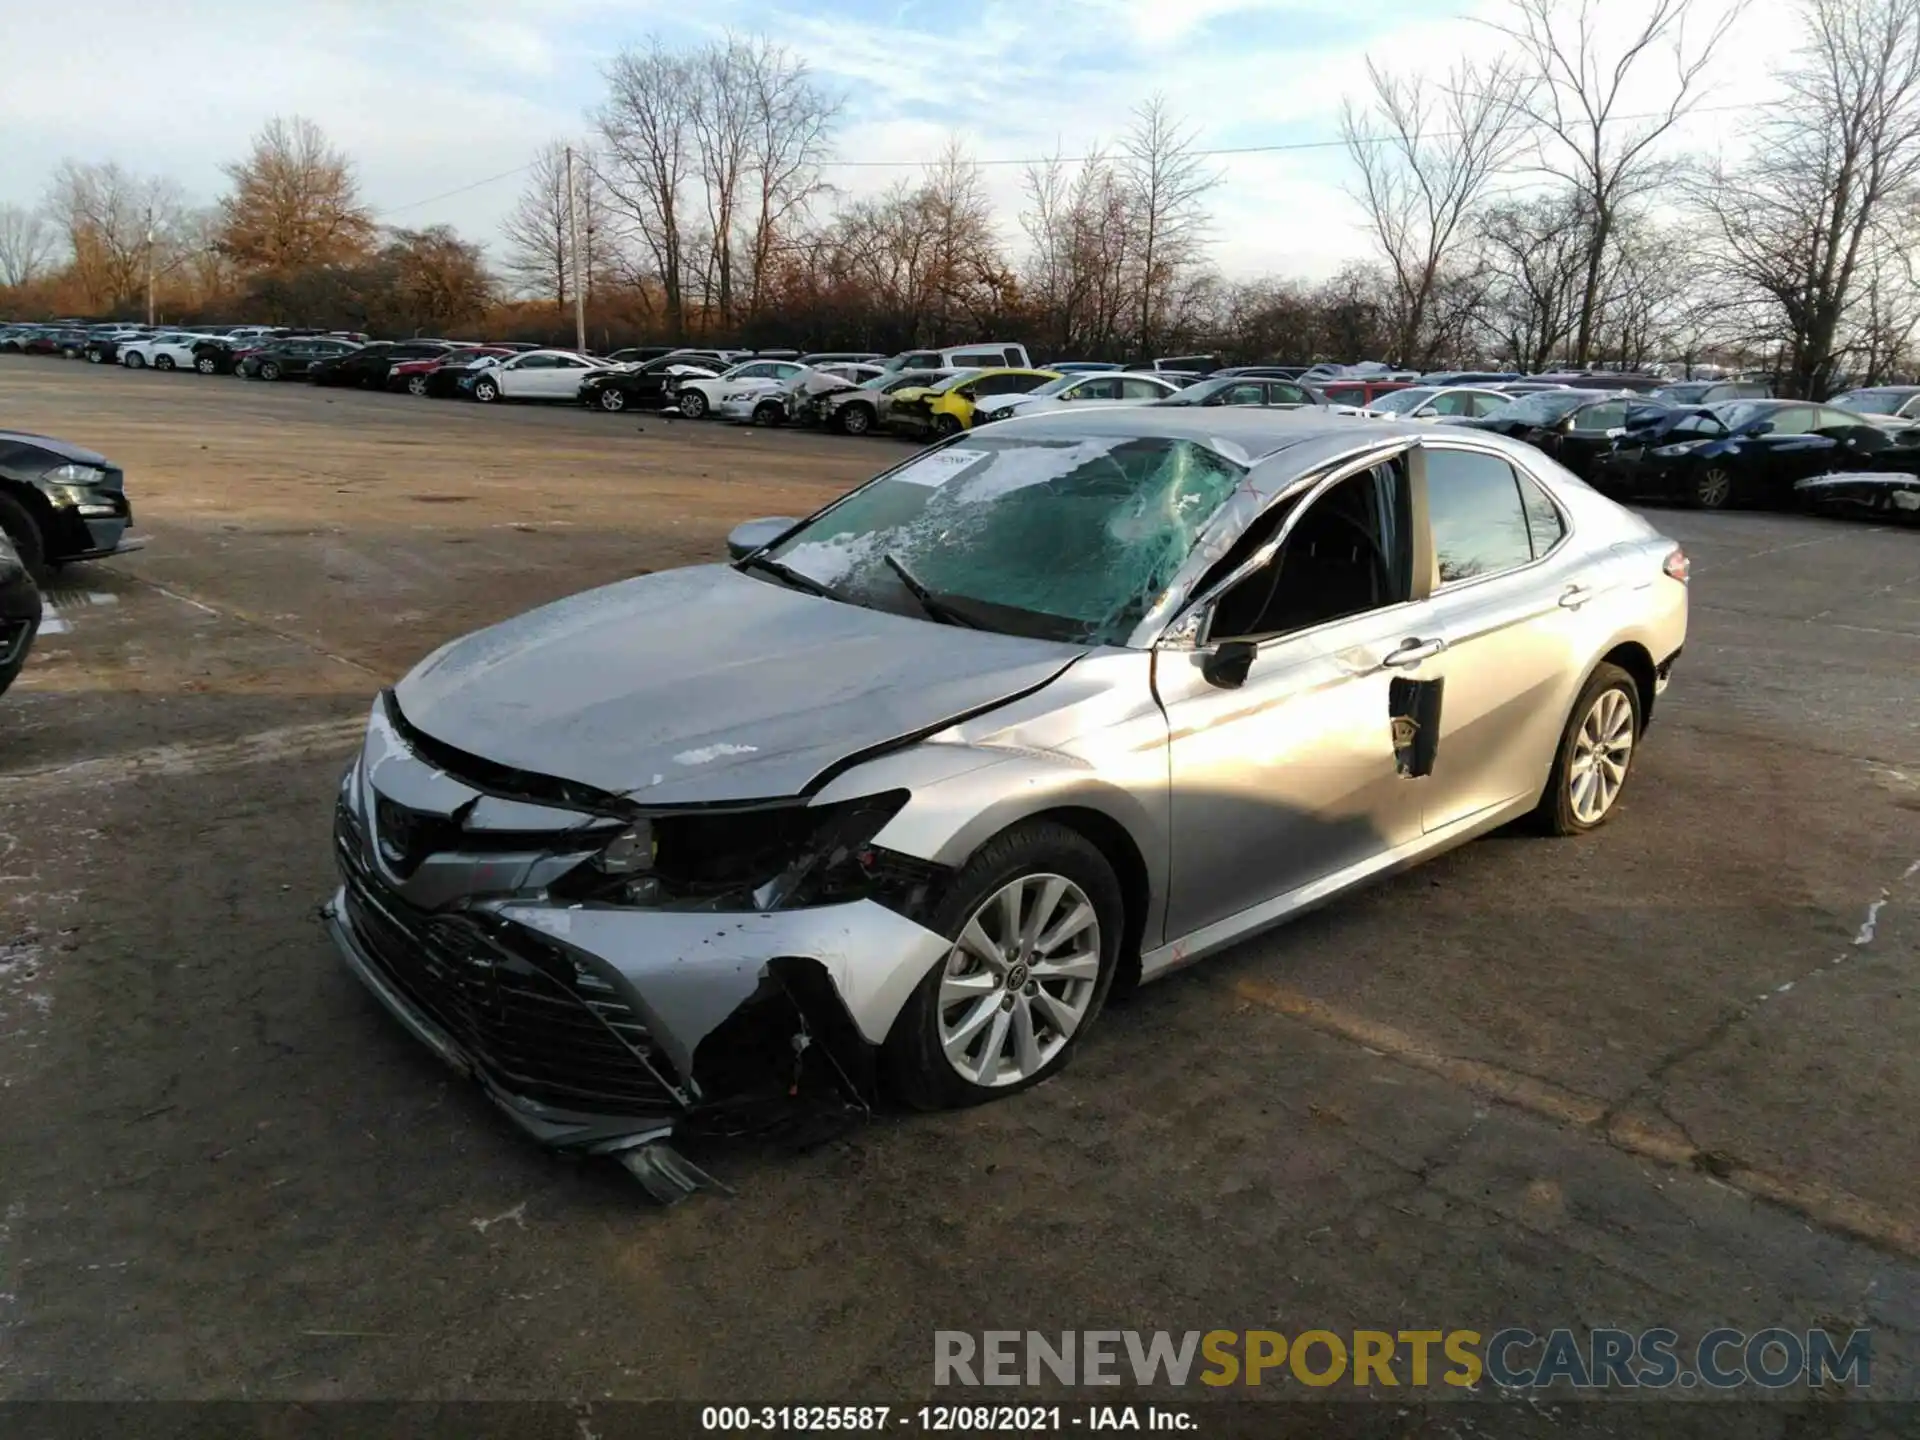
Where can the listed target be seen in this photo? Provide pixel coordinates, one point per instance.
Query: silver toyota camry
(895, 800)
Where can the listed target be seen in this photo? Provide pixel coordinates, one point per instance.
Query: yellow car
(946, 407)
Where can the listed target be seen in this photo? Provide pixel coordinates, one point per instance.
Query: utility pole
(573, 251)
(149, 264)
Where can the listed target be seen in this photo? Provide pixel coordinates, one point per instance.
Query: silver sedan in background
(899, 796)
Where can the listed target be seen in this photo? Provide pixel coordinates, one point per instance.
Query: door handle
(1574, 596)
(1413, 651)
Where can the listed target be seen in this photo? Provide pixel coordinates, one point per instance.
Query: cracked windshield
(1067, 539)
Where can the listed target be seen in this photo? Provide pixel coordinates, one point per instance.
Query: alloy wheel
(416, 384)
(1602, 751)
(613, 399)
(1713, 488)
(205, 365)
(856, 420)
(1019, 980)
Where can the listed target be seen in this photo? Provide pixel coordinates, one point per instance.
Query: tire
(24, 531)
(417, 385)
(485, 391)
(693, 405)
(135, 361)
(1710, 487)
(854, 419)
(613, 401)
(163, 362)
(269, 370)
(946, 425)
(206, 365)
(94, 357)
(961, 1001)
(1599, 714)
(769, 412)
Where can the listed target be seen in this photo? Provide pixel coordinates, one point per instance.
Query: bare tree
(295, 202)
(1426, 158)
(540, 233)
(646, 123)
(1535, 252)
(120, 227)
(1165, 181)
(27, 244)
(1577, 100)
(792, 135)
(1830, 192)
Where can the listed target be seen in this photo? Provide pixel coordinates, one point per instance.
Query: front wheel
(856, 419)
(945, 426)
(205, 365)
(270, 371)
(485, 391)
(1595, 756)
(94, 355)
(769, 412)
(613, 401)
(1710, 488)
(136, 360)
(1035, 918)
(163, 362)
(416, 385)
(693, 404)
(19, 526)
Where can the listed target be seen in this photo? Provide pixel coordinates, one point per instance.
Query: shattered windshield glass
(1067, 539)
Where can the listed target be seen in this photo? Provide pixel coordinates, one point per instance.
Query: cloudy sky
(431, 98)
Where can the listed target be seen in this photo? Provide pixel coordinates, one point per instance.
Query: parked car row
(1707, 443)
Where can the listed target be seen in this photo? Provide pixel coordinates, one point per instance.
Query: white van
(982, 355)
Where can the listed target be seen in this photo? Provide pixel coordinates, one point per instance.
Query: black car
(103, 346)
(644, 387)
(19, 612)
(290, 358)
(1575, 427)
(1752, 452)
(60, 503)
(368, 365)
(639, 354)
(214, 355)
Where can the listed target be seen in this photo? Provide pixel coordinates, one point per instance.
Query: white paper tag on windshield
(939, 467)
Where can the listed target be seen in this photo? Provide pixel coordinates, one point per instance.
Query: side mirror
(752, 535)
(1227, 666)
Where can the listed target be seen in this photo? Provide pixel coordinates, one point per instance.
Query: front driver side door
(1292, 777)
(520, 379)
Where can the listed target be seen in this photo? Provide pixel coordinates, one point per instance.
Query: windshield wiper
(936, 608)
(790, 575)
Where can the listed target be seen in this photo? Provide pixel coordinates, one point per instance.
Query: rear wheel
(95, 355)
(416, 385)
(769, 412)
(205, 365)
(613, 400)
(693, 404)
(1035, 918)
(1595, 756)
(1710, 487)
(486, 391)
(855, 419)
(269, 370)
(163, 362)
(19, 526)
(135, 360)
(945, 425)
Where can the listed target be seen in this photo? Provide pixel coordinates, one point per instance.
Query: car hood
(11, 438)
(707, 685)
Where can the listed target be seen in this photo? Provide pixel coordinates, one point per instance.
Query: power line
(1217, 151)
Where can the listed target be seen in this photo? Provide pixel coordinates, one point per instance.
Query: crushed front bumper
(599, 1027)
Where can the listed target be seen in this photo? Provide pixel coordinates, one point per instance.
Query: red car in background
(422, 377)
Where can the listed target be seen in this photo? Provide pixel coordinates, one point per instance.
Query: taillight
(1677, 566)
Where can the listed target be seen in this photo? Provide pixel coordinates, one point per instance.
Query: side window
(1454, 402)
(1020, 384)
(1793, 420)
(925, 360)
(1487, 404)
(1830, 420)
(1545, 525)
(1284, 392)
(1013, 357)
(1608, 415)
(762, 371)
(1473, 505)
(1142, 390)
(1348, 554)
(1250, 392)
(979, 360)
(1103, 388)
(536, 362)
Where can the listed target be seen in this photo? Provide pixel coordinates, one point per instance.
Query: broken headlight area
(767, 857)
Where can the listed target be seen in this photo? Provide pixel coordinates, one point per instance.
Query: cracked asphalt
(1664, 1075)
